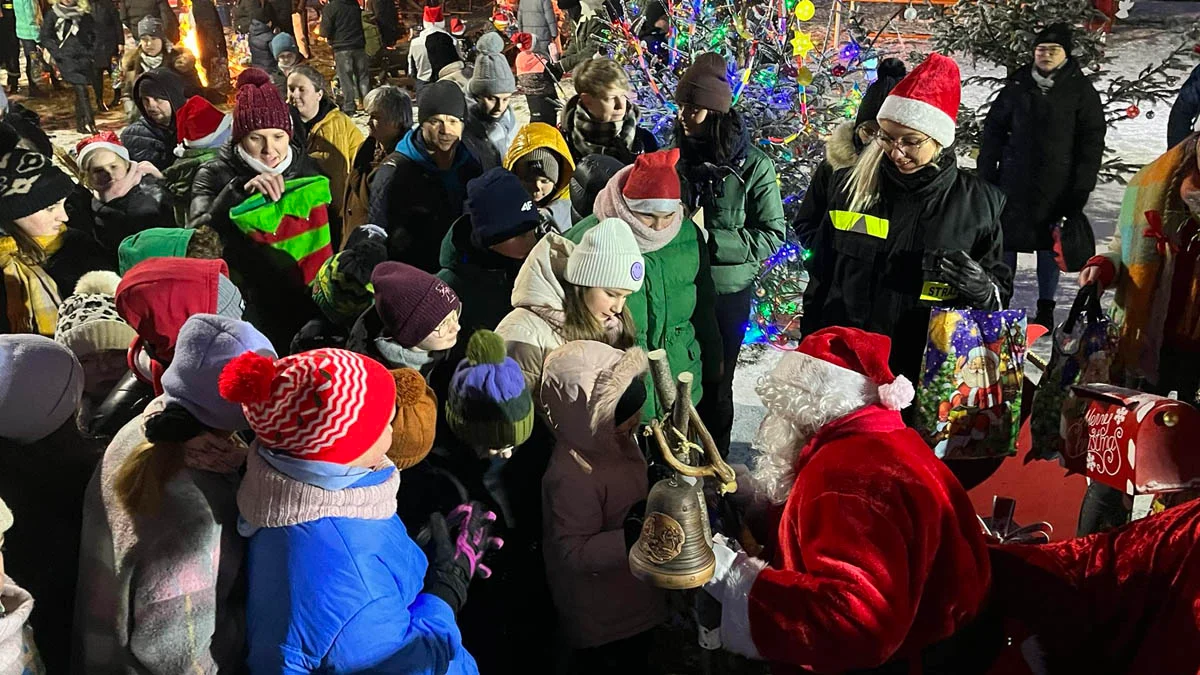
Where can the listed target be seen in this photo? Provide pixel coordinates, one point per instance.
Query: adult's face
(158, 110)
(104, 167)
(494, 106)
(910, 150)
(1049, 56)
(287, 61)
(609, 106)
(518, 247)
(45, 222)
(656, 221)
(441, 132)
(304, 96)
(694, 120)
(151, 46)
(384, 129)
(269, 146)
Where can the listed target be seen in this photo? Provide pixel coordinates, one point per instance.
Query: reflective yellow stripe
(849, 221)
(936, 291)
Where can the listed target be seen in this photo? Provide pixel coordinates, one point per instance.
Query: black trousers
(630, 656)
(354, 76)
(716, 407)
(10, 47)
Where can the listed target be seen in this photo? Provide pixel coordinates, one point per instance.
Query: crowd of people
(276, 396)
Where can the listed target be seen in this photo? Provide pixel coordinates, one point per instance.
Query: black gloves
(447, 576)
(633, 524)
(969, 279)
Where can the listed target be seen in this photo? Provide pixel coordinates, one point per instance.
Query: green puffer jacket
(673, 309)
(746, 224)
(179, 177)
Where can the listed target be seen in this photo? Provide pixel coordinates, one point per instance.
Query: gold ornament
(941, 330)
(804, 77)
(802, 44)
(805, 10)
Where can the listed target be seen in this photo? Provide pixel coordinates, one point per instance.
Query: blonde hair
(579, 324)
(863, 184)
(139, 481)
(596, 76)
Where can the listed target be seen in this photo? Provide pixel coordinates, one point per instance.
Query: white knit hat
(88, 321)
(607, 257)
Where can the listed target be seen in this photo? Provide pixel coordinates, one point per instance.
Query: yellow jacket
(332, 144)
(541, 135)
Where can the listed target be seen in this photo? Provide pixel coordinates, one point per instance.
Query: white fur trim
(216, 138)
(88, 149)
(653, 205)
(733, 592)
(898, 395)
(823, 378)
(919, 115)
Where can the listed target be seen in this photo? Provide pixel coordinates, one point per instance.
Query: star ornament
(802, 44)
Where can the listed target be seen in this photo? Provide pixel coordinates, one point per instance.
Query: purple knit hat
(488, 405)
(258, 105)
(410, 302)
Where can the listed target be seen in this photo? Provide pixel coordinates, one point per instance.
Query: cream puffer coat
(532, 330)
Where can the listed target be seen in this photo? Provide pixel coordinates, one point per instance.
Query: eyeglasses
(448, 325)
(906, 146)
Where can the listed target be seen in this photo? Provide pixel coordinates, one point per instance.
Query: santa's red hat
(653, 184)
(457, 27)
(329, 405)
(524, 41)
(433, 14)
(927, 99)
(105, 140)
(199, 124)
(864, 354)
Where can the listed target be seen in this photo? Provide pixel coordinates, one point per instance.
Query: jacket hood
(167, 81)
(158, 295)
(413, 147)
(539, 283)
(582, 382)
(541, 135)
(839, 147)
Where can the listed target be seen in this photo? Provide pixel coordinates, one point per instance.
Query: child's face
(102, 370)
(539, 187)
(373, 457)
(104, 168)
(444, 336)
(606, 304)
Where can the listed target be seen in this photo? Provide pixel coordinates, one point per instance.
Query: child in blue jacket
(335, 583)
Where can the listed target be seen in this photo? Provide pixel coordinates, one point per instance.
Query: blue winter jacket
(343, 595)
(1184, 110)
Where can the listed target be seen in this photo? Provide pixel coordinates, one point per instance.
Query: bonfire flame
(190, 39)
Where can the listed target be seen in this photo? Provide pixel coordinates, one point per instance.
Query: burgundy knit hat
(410, 302)
(258, 105)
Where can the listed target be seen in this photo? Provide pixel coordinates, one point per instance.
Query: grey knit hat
(41, 383)
(492, 73)
(607, 257)
(152, 26)
(537, 162)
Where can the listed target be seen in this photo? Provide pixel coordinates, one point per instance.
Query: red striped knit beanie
(329, 405)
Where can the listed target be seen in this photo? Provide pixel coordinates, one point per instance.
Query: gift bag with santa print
(969, 396)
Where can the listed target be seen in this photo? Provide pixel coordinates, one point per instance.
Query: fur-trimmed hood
(839, 146)
(582, 382)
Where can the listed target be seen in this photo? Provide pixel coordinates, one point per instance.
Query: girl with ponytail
(161, 558)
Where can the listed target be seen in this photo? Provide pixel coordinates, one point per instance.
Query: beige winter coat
(531, 330)
(594, 477)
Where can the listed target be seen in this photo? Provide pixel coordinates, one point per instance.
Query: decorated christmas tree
(1001, 32)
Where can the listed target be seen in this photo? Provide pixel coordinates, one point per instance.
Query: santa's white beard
(802, 395)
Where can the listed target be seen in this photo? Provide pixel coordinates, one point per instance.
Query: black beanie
(706, 84)
(162, 83)
(890, 72)
(440, 49)
(631, 401)
(1055, 34)
(499, 207)
(29, 182)
(441, 98)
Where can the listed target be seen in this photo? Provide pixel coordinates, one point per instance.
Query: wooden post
(660, 370)
(680, 418)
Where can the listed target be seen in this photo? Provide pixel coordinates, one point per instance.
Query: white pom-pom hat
(857, 352)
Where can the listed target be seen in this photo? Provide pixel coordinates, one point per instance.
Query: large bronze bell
(674, 550)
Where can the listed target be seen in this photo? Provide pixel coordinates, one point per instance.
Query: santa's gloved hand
(448, 574)
(472, 523)
(969, 278)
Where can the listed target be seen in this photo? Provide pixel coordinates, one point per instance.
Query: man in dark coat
(109, 38)
(385, 15)
(133, 11)
(1042, 145)
(418, 191)
(158, 94)
(342, 28)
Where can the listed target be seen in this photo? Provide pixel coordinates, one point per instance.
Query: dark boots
(1045, 314)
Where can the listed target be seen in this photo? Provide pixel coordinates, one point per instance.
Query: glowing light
(190, 39)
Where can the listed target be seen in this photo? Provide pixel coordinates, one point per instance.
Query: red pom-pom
(247, 378)
(255, 76)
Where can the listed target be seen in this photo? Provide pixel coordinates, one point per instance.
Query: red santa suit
(880, 552)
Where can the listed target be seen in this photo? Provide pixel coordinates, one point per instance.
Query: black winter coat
(1043, 150)
(132, 11)
(341, 25)
(277, 304)
(79, 254)
(146, 205)
(245, 11)
(870, 276)
(75, 54)
(386, 20)
(148, 142)
(109, 33)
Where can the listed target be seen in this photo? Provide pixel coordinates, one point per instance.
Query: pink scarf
(218, 454)
(121, 187)
(610, 203)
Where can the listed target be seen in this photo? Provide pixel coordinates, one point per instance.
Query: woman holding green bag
(269, 203)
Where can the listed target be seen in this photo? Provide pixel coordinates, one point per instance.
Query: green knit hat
(156, 242)
(488, 405)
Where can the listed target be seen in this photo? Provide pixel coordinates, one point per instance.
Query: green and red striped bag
(297, 224)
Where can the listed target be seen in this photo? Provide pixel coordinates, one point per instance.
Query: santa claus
(880, 560)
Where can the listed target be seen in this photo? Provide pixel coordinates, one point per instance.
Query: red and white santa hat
(456, 27)
(199, 124)
(857, 361)
(105, 140)
(329, 405)
(433, 14)
(653, 184)
(927, 99)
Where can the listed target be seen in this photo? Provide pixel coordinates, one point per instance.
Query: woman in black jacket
(257, 159)
(69, 33)
(904, 230)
